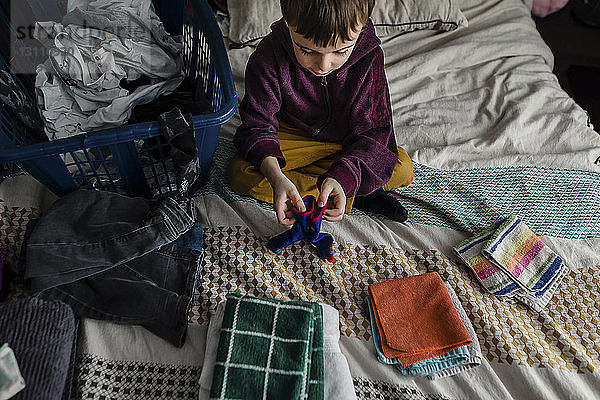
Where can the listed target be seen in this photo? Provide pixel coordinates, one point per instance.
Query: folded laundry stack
(269, 349)
(512, 263)
(338, 383)
(419, 325)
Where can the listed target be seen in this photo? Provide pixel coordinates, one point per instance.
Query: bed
(491, 133)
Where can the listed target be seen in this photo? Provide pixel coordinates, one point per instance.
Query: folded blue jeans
(113, 257)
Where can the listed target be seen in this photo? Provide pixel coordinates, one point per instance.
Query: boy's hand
(285, 193)
(334, 197)
(285, 197)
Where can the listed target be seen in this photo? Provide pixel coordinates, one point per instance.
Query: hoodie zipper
(328, 102)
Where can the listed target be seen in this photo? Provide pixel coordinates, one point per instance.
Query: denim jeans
(113, 257)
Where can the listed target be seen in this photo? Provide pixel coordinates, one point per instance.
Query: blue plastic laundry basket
(133, 159)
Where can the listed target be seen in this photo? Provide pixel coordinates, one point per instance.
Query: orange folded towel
(416, 318)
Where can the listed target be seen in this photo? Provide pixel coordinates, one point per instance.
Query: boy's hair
(326, 21)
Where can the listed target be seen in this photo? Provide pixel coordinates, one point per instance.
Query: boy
(316, 115)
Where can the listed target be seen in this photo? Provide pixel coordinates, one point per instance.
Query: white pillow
(397, 16)
(250, 20)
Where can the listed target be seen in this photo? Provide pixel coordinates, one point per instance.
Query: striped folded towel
(491, 277)
(511, 262)
(516, 250)
(269, 349)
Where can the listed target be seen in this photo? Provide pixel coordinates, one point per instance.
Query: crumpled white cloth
(79, 87)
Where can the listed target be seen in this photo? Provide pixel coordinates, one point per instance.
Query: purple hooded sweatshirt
(350, 106)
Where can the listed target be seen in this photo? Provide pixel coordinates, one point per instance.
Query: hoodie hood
(366, 43)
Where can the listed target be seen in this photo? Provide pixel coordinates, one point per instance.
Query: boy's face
(321, 61)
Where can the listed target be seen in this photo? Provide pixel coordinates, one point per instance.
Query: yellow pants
(306, 159)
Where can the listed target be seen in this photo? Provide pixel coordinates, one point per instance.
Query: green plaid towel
(269, 349)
